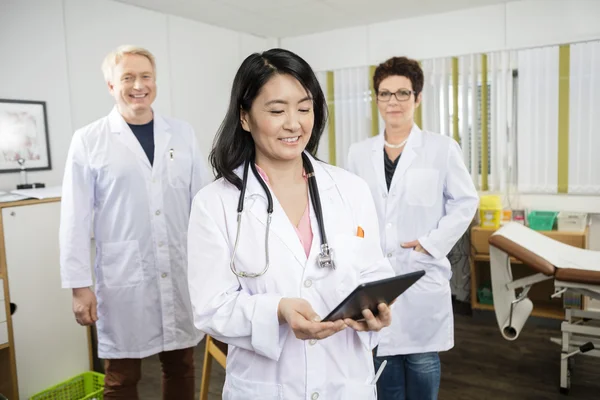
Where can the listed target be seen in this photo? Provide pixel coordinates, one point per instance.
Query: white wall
(51, 50)
(515, 25)
(512, 25)
(204, 60)
(33, 66)
(88, 41)
(544, 22)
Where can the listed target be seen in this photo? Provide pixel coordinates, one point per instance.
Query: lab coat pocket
(358, 391)
(242, 389)
(355, 253)
(121, 264)
(352, 254)
(180, 170)
(435, 278)
(422, 187)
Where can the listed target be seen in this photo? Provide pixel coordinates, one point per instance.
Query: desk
(544, 306)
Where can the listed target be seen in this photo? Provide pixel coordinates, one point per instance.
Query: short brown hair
(401, 66)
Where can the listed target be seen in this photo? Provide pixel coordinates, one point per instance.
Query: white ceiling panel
(284, 18)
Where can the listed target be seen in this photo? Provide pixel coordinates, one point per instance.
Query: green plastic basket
(86, 386)
(542, 220)
(484, 294)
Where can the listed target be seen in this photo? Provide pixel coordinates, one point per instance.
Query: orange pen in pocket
(360, 232)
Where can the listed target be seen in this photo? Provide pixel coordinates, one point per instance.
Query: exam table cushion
(519, 252)
(577, 275)
(542, 265)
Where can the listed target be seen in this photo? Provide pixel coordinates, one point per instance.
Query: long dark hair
(233, 145)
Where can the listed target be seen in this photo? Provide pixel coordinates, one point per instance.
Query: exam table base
(577, 328)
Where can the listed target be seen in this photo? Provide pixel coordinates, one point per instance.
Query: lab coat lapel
(326, 186)
(122, 130)
(378, 164)
(281, 226)
(162, 137)
(410, 152)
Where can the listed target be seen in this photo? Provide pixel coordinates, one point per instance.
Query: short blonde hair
(115, 57)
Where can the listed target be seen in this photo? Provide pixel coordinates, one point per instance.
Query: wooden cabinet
(543, 305)
(45, 345)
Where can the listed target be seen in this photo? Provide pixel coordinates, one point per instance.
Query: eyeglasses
(401, 95)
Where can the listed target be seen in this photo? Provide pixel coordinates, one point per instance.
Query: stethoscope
(325, 258)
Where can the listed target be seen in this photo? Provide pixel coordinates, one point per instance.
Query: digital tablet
(370, 294)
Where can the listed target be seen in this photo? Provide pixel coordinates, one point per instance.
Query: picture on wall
(23, 136)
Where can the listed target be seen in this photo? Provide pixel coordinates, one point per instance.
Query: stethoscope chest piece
(325, 257)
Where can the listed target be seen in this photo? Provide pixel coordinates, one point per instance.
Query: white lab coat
(140, 217)
(431, 199)
(266, 361)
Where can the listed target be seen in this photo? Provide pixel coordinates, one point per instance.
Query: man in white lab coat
(133, 175)
(425, 201)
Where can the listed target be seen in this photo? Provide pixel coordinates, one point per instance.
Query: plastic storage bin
(542, 220)
(572, 221)
(86, 386)
(490, 211)
(484, 294)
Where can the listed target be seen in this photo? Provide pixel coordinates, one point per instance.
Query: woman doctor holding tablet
(273, 244)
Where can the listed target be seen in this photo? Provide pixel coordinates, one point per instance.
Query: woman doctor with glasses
(276, 243)
(425, 201)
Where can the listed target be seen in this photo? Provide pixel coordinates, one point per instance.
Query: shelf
(486, 257)
(480, 238)
(553, 233)
(539, 310)
(4, 346)
(480, 306)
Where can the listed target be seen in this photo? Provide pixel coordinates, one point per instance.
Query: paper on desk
(40, 193)
(8, 197)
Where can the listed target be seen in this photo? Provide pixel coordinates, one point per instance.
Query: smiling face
(133, 85)
(280, 119)
(395, 112)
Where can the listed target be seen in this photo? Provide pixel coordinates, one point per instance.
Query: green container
(542, 220)
(86, 386)
(484, 294)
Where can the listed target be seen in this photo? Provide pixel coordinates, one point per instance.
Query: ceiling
(283, 18)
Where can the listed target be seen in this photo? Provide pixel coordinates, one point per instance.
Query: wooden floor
(482, 365)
